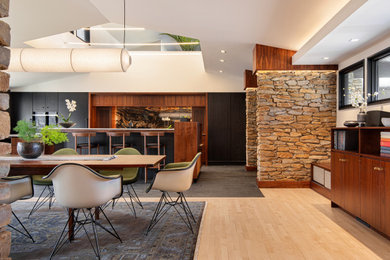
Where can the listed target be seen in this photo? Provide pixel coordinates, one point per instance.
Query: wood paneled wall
(145, 100)
(272, 58)
(250, 79)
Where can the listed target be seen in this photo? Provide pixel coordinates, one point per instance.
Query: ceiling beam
(272, 58)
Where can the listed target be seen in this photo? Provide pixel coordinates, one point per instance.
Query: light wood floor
(286, 224)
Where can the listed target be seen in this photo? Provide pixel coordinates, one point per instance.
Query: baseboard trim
(283, 184)
(250, 168)
(320, 189)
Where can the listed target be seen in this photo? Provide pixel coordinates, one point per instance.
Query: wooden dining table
(44, 164)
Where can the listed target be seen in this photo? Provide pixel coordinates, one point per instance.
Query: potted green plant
(71, 106)
(34, 139)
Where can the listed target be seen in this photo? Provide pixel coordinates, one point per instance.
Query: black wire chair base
(166, 202)
(42, 199)
(133, 198)
(84, 217)
(25, 233)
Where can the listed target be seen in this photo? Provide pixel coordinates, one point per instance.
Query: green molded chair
(130, 176)
(37, 180)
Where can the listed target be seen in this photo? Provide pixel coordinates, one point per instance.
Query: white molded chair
(79, 188)
(173, 180)
(21, 188)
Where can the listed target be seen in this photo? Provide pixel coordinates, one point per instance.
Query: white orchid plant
(358, 101)
(71, 106)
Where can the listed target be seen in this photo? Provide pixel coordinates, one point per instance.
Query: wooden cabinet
(361, 179)
(372, 183)
(345, 181)
(187, 143)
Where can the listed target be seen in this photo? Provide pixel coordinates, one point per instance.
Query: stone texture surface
(5, 148)
(4, 125)
(295, 112)
(4, 191)
(5, 214)
(4, 169)
(251, 129)
(4, 82)
(5, 243)
(5, 210)
(4, 101)
(5, 35)
(4, 58)
(4, 7)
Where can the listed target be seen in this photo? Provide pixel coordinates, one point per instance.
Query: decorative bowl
(385, 121)
(67, 124)
(30, 150)
(351, 123)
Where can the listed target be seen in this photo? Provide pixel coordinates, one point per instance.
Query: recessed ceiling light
(222, 60)
(354, 40)
(325, 58)
(223, 51)
(221, 71)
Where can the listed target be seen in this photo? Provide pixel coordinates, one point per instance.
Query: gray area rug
(216, 181)
(170, 238)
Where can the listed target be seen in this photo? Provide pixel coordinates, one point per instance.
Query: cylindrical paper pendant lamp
(69, 60)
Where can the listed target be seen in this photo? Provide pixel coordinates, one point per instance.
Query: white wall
(351, 113)
(148, 73)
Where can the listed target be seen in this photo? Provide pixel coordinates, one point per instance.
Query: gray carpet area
(216, 181)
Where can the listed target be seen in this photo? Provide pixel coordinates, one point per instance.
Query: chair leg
(167, 202)
(88, 218)
(134, 195)
(40, 201)
(25, 233)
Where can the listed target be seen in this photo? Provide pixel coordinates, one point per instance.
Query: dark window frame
(355, 66)
(372, 75)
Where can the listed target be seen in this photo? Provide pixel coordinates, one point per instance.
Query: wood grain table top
(100, 161)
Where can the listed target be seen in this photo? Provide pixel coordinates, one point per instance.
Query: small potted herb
(71, 106)
(34, 139)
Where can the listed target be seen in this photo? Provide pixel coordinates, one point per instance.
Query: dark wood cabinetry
(345, 181)
(44, 102)
(361, 179)
(373, 192)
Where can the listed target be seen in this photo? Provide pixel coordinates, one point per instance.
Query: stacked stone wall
(5, 210)
(251, 129)
(295, 112)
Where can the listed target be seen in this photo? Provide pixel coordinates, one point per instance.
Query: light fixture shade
(69, 60)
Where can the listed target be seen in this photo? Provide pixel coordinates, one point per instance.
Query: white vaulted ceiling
(235, 26)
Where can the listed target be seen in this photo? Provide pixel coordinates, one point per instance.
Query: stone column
(251, 129)
(5, 210)
(295, 112)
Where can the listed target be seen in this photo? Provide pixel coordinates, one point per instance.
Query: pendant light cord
(124, 24)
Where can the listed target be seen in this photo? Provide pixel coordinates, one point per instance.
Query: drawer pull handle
(378, 169)
(342, 160)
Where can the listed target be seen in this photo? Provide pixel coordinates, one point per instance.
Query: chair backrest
(118, 133)
(65, 151)
(78, 186)
(129, 172)
(21, 187)
(176, 179)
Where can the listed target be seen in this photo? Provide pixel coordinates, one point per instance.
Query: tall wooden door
(372, 183)
(337, 179)
(351, 184)
(226, 128)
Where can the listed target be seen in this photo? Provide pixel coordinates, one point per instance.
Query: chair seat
(177, 165)
(37, 180)
(128, 177)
